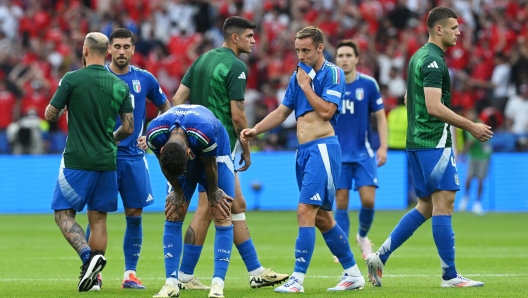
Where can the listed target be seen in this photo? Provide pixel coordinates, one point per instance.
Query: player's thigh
(73, 189)
(134, 183)
(366, 174)
(104, 196)
(433, 169)
(319, 167)
(481, 169)
(239, 204)
(188, 186)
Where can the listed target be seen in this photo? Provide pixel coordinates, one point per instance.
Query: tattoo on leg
(70, 229)
(190, 237)
(247, 232)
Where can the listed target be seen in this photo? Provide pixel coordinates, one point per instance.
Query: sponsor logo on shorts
(456, 180)
(316, 197)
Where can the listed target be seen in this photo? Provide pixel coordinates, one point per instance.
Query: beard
(121, 63)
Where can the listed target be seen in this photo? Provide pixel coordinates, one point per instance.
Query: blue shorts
(318, 164)
(433, 169)
(364, 173)
(134, 183)
(77, 188)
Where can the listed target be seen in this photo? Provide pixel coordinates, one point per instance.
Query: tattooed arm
(127, 127)
(238, 115)
(217, 197)
(53, 114)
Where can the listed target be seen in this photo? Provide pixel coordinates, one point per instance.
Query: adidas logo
(242, 76)
(316, 197)
(432, 65)
(300, 259)
(150, 198)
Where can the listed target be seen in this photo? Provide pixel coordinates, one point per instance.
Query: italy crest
(137, 86)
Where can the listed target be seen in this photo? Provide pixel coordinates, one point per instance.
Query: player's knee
(221, 221)
(368, 202)
(239, 206)
(323, 223)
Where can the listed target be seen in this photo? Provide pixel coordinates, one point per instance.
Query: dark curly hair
(173, 158)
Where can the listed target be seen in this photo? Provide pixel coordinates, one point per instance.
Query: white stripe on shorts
(326, 161)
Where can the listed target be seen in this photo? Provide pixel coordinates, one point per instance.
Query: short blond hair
(312, 32)
(97, 42)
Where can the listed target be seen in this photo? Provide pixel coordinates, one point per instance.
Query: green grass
(35, 260)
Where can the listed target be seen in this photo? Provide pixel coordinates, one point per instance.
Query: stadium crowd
(41, 40)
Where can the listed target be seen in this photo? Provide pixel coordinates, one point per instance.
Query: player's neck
(118, 70)
(94, 61)
(437, 43)
(319, 64)
(351, 76)
(232, 47)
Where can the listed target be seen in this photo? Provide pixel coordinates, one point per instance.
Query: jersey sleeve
(62, 95)
(433, 72)
(154, 93)
(157, 136)
(187, 78)
(203, 139)
(127, 105)
(236, 80)
(289, 96)
(375, 100)
(333, 86)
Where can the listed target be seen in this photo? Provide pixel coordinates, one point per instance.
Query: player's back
(427, 68)
(216, 78)
(95, 98)
(362, 97)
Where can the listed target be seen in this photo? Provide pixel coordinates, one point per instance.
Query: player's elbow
(239, 119)
(433, 110)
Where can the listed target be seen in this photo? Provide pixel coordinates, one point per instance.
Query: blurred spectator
(8, 106)
(500, 80)
(517, 111)
(25, 135)
(397, 85)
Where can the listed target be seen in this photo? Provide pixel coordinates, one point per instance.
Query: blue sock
(304, 247)
(249, 255)
(191, 255)
(132, 242)
(338, 244)
(172, 247)
(222, 250)
(87, 232)
(409, 223)
(342, 219)
(366, 217)
(445, 244)
(84, 254)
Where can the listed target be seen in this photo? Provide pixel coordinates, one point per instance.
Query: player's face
(307, 52)
(450, 32)
(121, 50)
(245, 41)
(346, 59)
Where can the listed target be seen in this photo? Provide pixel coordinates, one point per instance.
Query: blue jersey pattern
(142, 85)
(362, 97)
(201, 127)
(328, 83)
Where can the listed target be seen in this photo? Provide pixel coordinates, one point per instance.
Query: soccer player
(315, 92)
(479, 159)
(433, 166)
(87, 175)
(217, 80)
(193, 148)
(359, 161)
(132, 171)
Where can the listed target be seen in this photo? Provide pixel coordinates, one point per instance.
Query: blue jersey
(328, 83)
(142, 85)
(202, 129)
(362, 97)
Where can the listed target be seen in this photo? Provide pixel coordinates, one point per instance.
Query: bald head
(97, 43)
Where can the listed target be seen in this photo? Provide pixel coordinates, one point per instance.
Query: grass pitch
(36, 261)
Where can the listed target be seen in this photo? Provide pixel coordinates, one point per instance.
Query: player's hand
(220, 204)
(175, 206)
(381, 156)
(247, 134)
(481, 132)
(303, 79)
(245, 159)
(142, 143)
